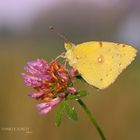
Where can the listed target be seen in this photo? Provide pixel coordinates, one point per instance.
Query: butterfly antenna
(52, 28)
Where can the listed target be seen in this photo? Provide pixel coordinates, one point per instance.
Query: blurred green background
(24, 36)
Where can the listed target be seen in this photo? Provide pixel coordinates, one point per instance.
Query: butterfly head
(68, 45)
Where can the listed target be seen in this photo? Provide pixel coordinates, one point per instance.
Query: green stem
(91, 117)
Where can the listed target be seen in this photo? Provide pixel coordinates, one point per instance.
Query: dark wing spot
(117, 43)
(107, 75)
(120, 64)
(118, 54)
(123, 45)
(100, 44)
(101, 79)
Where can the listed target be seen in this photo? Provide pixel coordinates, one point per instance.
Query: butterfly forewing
(99, 63)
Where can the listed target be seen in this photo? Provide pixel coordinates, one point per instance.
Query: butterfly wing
(127, 54)
(99, 63)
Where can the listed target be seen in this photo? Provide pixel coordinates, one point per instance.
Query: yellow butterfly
(99, 63)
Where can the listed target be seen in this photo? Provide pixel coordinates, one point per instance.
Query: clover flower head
(52, 82)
